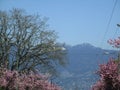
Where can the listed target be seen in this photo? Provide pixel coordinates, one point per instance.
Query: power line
(108, 25)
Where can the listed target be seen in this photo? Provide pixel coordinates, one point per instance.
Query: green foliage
(1, 88)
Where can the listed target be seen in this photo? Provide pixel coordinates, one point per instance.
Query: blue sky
(75, 21)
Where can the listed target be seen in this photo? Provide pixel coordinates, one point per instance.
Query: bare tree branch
(27, 43)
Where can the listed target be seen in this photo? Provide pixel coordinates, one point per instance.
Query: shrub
(109, 77)
(12, 80)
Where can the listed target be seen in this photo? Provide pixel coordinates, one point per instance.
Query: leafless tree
(27, 43)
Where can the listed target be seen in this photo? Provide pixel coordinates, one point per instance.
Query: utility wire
(108, 25)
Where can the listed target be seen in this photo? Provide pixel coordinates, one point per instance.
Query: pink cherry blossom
(109, 77)
(12, 80)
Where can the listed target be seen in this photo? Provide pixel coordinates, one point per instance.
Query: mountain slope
(83, 62)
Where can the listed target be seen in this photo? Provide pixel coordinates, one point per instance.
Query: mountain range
(84, 60)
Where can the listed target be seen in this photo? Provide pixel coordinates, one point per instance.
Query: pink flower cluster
(108, 70)
(12, 80)
(109, 77)
(115, 43)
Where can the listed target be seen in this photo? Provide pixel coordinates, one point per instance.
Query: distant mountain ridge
(83, 62)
